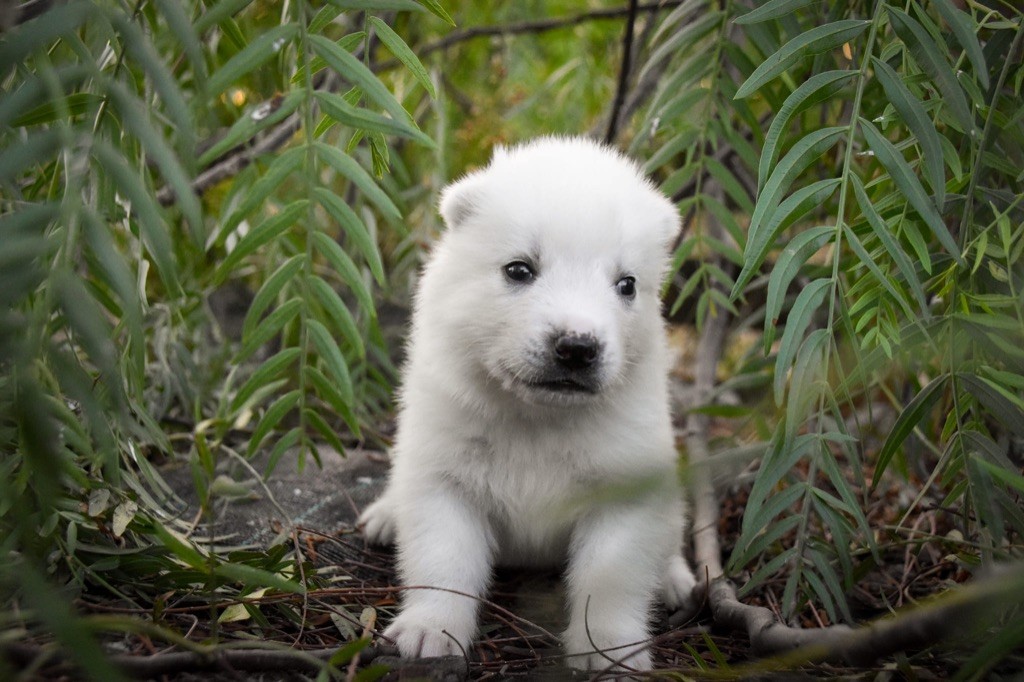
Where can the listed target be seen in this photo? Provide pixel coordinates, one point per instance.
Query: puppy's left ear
(461, 199)
(666, 220)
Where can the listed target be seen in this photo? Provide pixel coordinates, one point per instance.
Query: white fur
(488, 467)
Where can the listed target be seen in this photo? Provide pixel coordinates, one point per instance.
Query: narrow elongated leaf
(380, 5)
(181, 26)
(152, 224)
(339, 313)
(328, 392)
(963, 29)
(1005, 407)
(141, 49)
(252, 576)
(39, 33)
(773, 9)
(435, 8)
(769, 215)
(268, 328)
(267, 231)
(273, 416)
(343, 265)
(72, 105)
(336, 107)
(932, 61)
(136, 121)
(815, 89)
(892, 246)
(909, 418)
(270, 290)
(37, 149)
(281, 167)
(908, 184)
(869, 262)
(332, 358)
(807, 303)
(255, 54)
(913, 114)
(181, 548)
(792, 258)
(347, 166)
(225, 9)
(33, 90)
(266, 372)
(324, 429)
(354, 228)
(404, 54)
(817, 40)
(346, 65)
(261, 117)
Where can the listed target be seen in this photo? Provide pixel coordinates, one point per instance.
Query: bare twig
(624, 71)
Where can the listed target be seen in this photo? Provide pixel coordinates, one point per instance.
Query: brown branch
(624, 71)
(535, 26)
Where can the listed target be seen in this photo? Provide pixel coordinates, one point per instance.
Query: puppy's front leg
(443, 543)
(615, 567)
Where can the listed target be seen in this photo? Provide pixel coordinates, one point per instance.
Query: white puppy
(534, 425)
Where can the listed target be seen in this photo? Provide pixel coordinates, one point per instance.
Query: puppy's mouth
(564, 385)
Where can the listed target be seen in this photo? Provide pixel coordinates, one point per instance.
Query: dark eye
(519, 272)
(626, 287)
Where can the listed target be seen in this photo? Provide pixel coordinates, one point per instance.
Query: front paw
(428, 635)
(615, 647)
(378, 522)
(678, 585)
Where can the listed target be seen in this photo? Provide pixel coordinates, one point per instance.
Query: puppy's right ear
(461, 199)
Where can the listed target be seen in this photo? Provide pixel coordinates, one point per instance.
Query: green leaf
(339, 313)
(136, 121)
(180, 25)
(328, 392)
(286, 441)
(434, 7)
(346, 65)
(35, 150)
(354, 228)
(892, 247)
(932, 61)
(404, 54)
(346, 269)
(152, 223)
(913, 114)
(336, 107)
(346, 166)
(773, 9)
(379, 5)
(807, 303)
(268, 328)
(332, 358)
(771, 217)
(180, 547)
(259, 118)
(908, 185)
(40, 33)
(1006, 408)
(324, 429)
(267, 231)
(869, 262)
(281, 167)
(819, 39)
(792, 258)
(272, 417)
(250, 575)
(270, 290)
(266, 372)
(74, 104)
(814, 90)
(224, 9)
(909, 418)
(963, 28)
(255, 54)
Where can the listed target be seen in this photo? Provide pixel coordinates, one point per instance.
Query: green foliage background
(849, 173)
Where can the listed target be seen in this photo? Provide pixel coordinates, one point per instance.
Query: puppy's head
(550, 270)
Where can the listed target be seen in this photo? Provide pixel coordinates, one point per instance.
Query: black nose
(576, 351)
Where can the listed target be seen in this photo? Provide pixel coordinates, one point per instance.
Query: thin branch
(624, 72)
(536, 26)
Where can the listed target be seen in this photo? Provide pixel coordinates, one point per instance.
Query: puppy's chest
(522, 476)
